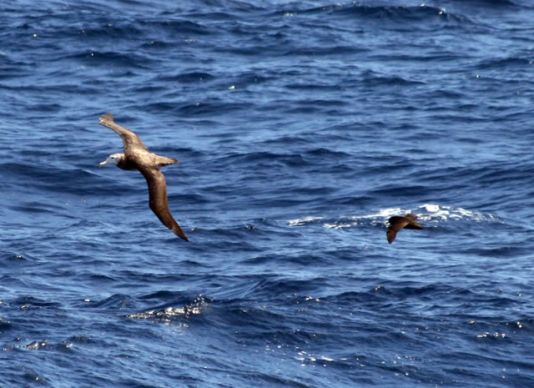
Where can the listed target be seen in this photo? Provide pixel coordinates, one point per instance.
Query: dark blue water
(301, 127)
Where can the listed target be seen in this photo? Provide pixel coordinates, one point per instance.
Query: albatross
(136, 156)
(396, 223)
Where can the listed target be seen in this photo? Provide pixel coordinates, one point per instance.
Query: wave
(109, 58)
(491, 3)
(195, 109)
(426, 212)
(393, 13)
(187, 77)
(114, 301)
(168, 312)
(54, 179)
(4, 324)
(505, 63)
(372, 78)
(177, 26)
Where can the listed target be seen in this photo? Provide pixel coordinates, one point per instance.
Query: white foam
(425, 212)
(430, 211)
(442, 212)
(339, 225)
(305, 357)
(386, 213)
(168, 312)
(303, 220)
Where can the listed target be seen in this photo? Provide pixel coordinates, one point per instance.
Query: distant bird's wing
(128, 137)
(396, 223)
(157, 190)
(413, 225)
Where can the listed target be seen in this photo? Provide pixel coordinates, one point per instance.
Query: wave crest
(428, 212)
(167, 313)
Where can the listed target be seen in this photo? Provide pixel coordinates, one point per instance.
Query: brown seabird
(396, 223)
(136, 156)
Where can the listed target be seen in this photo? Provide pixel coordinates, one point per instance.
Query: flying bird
(396, 223)
(136, 156)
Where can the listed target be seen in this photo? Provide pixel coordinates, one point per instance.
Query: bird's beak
(104, 163)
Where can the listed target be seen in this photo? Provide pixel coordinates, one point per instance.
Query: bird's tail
(165, 161)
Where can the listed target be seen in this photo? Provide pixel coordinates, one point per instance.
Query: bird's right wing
(395, 224)
(128, 137)
(157, 191)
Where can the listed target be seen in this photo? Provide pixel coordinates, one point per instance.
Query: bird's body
(136, 156)
(396, 223)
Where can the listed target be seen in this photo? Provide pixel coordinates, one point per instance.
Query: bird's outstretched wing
(396, 223)
(128, 137)
(157, 192)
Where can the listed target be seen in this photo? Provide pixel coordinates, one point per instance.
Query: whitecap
(166, 313)
(426, 212)
(170, 312)
(303, 220)
(432, 211)
(443, 212)
(339, 225)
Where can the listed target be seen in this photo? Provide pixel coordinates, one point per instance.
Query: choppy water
(301, 127)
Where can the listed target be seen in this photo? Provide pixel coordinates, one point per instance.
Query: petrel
(396, 223)
(136, 156)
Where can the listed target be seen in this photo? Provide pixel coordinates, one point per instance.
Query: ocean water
(301, 127)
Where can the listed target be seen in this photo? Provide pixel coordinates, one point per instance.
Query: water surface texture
(301, 127)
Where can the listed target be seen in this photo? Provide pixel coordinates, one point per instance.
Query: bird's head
(113, 158)
(411, 216)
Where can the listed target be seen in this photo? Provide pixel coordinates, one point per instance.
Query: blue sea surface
(301, 127)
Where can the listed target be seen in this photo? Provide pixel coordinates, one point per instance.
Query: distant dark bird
(136, 156)
(396, 223)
